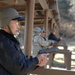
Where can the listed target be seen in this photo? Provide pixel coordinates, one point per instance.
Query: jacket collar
(10, 36)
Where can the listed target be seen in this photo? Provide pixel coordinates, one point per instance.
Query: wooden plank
(42, 71)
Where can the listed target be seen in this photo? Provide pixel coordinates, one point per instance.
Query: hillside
(67, 21)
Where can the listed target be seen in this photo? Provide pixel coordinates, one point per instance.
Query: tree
(64, 7)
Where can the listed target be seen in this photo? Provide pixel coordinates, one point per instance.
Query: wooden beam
(42, 71)
(43, 4)
(38, 25)
(29, 26)
(17, 7)
(46, 23)
(39, 17)
(51, 2)
(36, 20)
(45, 7)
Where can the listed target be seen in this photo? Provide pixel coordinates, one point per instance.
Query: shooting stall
(42, 13)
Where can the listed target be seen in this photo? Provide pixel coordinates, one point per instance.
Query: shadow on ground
(58, 64)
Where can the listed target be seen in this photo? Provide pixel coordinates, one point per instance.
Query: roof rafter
(45, 7)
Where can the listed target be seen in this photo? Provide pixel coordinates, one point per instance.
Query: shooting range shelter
(41, 13)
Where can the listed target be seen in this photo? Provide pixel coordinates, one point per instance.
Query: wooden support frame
(67, 58)
(45, 6)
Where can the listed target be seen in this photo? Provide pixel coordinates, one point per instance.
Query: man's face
(14, 26)
(43, 34)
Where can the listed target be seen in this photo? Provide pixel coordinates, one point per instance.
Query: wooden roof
(40, 7)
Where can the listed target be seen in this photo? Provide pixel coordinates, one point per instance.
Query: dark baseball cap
(8, 14)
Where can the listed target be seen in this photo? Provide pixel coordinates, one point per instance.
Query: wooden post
(30, 4)
(46, 22)
(51, 24)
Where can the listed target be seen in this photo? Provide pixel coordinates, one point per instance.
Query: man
(12, 59)
(43, 33)
(39, 42)
(52, 36)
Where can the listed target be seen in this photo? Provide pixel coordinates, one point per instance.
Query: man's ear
(5, 27)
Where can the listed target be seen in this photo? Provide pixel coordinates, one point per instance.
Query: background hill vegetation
(67, 21)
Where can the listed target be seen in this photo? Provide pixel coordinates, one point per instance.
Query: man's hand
(42, 59)
(61, 38)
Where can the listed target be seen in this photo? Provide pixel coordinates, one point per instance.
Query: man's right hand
(42, 59)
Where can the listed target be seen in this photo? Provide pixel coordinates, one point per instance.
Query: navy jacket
(53, 37)
(12, 60)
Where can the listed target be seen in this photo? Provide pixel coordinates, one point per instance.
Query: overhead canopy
(40, 7)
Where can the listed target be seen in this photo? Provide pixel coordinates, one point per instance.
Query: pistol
(48, 50)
